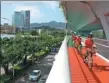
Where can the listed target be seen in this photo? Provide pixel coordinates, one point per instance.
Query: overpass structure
(83, 17)
(86, 16)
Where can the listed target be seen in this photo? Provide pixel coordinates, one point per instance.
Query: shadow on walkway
(100, 67)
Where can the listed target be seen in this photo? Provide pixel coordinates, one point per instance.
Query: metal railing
(103, 42)
(102, 47)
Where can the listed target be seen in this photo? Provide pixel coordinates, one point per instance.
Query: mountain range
(52, 24)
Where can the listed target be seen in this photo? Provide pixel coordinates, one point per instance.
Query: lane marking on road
(101, 39)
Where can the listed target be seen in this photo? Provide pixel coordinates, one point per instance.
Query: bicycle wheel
(90, 62)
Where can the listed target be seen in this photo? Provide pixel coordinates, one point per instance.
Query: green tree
(34, 32)
(33, 49)
(5, 46)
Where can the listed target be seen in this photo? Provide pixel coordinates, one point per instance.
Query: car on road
(34, 75)
(43, 79)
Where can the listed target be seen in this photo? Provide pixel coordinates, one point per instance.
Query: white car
(35, 75)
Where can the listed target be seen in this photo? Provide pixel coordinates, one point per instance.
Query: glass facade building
(21, 20)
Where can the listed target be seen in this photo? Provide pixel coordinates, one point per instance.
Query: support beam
(105, 25)
(101, 8)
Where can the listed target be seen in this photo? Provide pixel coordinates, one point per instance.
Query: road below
(44, 65)
(103, 51)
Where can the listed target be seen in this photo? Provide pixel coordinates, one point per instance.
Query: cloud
(52, 4)
(18, 2)
(35, 12)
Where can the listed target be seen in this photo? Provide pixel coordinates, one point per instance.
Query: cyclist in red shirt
(78, 38)
(89, 44)
(80, 44)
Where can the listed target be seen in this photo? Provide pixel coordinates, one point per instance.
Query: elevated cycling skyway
(69, 67)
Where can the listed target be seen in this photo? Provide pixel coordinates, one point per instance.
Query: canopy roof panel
(79, 14)
(95, 25)
(82, 14)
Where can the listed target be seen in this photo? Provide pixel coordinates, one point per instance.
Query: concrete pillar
(105, 25)
(104, 21)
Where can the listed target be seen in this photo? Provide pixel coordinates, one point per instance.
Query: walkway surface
(80, 72)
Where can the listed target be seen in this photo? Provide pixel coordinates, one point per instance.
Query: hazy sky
(41, 11)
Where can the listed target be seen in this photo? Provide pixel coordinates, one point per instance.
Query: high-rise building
(18, 20)
(26, 15)
(21, 19)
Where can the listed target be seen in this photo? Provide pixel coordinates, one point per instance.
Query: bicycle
(78, 47)
(87, 57)
(89, 60)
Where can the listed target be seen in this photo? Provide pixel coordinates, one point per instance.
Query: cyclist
(89, 43)
(78, 43)
(73, 39)
(80, 40)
